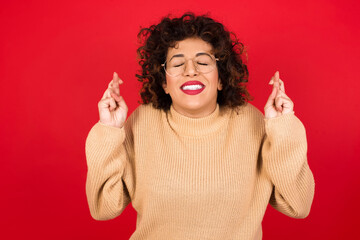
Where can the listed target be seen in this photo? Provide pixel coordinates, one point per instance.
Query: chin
(193, 106)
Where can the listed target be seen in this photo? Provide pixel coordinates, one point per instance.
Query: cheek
(214, 79)
(170, 83)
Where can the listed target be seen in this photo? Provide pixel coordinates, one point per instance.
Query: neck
(196, 127)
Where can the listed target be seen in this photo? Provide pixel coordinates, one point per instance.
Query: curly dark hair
(157, 39)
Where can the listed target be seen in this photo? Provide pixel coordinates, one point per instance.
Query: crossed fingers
(113, 87)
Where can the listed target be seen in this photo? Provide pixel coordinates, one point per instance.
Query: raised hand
(112, 107)
(278, 103)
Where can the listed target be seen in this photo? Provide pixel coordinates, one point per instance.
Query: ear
(165, 87)
(220, 87)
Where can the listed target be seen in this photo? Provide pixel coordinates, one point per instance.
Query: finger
(278, 103)
(284, 103)
(109, 89)
(107, 103)
(110, 83)
(120, 101)
(281, 101)
(112, 104)
(116, 81)
(282, 85)
(271, 99)
(271, 80)
(283, 94)
(274, 93)
(275, 82)
(115, 96)
(118, 78)
(276, 79)
(108, 99)
(106, 94)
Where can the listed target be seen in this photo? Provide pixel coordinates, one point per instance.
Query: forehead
(189, 47)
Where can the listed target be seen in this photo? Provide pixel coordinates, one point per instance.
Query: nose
(190, 68)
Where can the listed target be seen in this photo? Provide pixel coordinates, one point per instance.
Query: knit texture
(199, 178)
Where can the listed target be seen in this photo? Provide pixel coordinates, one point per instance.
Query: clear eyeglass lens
(203, 64)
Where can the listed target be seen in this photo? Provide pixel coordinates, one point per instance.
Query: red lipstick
(192, 87)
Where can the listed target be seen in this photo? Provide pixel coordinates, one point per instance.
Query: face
(193, 93)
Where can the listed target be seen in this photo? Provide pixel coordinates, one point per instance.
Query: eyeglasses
(203, 62)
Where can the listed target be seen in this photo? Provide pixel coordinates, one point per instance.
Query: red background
(56, 60)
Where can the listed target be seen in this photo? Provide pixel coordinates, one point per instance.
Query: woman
(196, 160)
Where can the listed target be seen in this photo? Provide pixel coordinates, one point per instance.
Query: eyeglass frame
(192, 59)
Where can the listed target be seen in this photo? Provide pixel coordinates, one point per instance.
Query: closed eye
(178, 65)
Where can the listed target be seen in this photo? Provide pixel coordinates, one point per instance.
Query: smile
(192, 87)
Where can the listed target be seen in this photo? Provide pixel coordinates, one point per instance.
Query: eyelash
(204, 64)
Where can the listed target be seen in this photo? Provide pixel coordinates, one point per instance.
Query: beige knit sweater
(204, 178)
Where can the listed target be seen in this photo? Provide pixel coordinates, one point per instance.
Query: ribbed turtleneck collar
(187, 126)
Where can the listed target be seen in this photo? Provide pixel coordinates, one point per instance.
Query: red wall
(56, 60)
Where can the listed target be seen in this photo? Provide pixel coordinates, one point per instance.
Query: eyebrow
(182, 55)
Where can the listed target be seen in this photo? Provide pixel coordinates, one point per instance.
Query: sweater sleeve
(109, 175)
(284, 155)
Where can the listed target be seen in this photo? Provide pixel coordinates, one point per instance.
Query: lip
(192, 83)
(192, 92)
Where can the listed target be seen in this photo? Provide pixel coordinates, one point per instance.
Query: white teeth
(192, 87)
